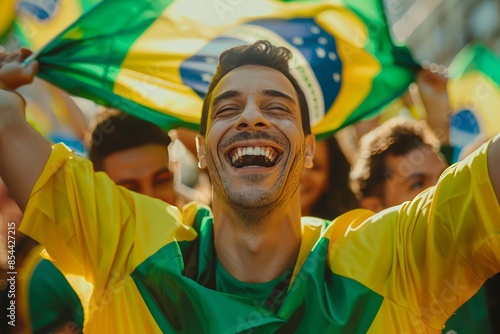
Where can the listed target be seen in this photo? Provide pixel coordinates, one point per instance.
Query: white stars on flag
(322, 41)
(315, 30)
(210, 60)
(206, 77)
(320, 52)
(297, 41)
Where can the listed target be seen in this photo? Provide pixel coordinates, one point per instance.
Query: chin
(249, 200)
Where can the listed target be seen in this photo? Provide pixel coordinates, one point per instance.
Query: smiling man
(255, 139)
(252, 264)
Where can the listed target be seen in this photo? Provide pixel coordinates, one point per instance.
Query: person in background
(324, 188)
(395, 162)
(142, 157)
(134, 154)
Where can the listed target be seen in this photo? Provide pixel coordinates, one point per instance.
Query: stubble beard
(254, 205)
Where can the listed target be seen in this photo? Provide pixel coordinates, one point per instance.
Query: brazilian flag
(155, 58)
(7, 15)
(33, 23)
(474, 91)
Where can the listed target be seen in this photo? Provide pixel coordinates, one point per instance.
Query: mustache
(248, 136)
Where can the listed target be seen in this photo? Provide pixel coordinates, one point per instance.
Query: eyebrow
(235, 93)
(277, 93)
(226, 95)
(405, 179)
(414, 176)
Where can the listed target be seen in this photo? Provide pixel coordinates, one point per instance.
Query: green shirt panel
(52, 301)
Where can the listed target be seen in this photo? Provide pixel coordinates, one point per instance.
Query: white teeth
(264, 151)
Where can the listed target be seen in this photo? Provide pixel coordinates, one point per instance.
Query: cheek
(212, 142)
(166, 194)
(404, 195)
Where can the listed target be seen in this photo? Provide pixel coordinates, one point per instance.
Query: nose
(252, 118)
(147, 189)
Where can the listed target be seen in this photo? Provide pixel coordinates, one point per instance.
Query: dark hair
(338, 198)
(260, 53)
(397, 136)
(117, 132)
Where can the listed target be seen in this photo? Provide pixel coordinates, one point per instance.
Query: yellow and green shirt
(49, 303)
(48, 300)
(154, 269)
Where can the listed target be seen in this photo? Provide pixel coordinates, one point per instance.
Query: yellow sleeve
(430, 255)
(92, 227)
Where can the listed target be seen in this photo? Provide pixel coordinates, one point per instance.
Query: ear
(200, 151)
(310, 144)
(372, 203)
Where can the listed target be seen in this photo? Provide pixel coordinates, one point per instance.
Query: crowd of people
(298, 235)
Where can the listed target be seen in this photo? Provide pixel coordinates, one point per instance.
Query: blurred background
(436, 30)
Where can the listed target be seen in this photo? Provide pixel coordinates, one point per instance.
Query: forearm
(494, 165)
(23, 152)
(439, 121)
(433, 94)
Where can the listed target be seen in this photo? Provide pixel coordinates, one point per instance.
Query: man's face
(143, 169)
(411, 174)
(255, 146)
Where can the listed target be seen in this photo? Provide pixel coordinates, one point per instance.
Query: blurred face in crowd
(410, 174)
(255, 147)
(315, 181)
(143, 169)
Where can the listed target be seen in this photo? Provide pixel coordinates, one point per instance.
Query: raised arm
(23, 151)
(494, 165)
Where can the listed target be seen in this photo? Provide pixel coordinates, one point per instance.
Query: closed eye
(277, 107)
(227, 109)
(130, 185)
(163, 176)
(163, 180)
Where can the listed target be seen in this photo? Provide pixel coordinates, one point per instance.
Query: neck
(258, 251)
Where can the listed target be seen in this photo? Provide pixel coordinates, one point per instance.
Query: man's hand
(13, 74)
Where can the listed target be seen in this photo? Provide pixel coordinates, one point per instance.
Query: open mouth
(253, 157)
